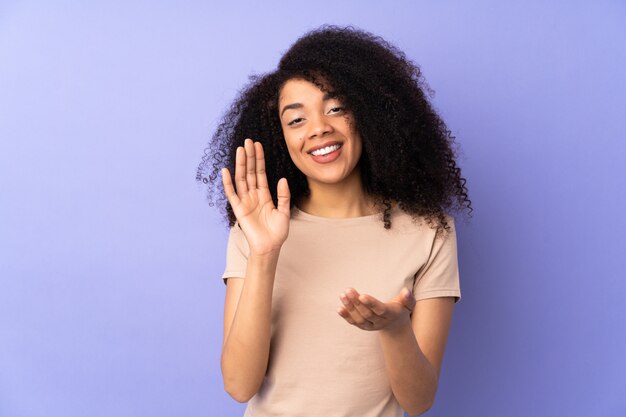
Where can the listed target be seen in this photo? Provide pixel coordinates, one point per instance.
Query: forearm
(412, 377)
(246, 348)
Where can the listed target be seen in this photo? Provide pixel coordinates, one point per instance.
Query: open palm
(265, 226)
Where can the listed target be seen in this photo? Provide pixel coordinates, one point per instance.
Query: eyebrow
(326, 97)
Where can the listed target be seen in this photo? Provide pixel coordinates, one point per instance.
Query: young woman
(341, 267)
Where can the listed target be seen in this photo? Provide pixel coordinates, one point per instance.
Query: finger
(261, 176)
(378, 307)
(229, 190)
(364, 310)
(250, 163)
(354, 320)
(240, 172)
(346, 316)
(284, 196)
(365, 325)
(348, 301)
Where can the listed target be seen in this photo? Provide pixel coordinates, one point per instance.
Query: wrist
(400, 328)
(265, 253)
(264, 261)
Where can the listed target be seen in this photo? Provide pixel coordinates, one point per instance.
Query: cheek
(293, 146)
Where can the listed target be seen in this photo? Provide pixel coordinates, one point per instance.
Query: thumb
(283, 196)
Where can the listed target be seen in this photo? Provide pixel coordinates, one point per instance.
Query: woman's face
(320, 135)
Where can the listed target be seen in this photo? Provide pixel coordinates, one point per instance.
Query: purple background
(110, 297)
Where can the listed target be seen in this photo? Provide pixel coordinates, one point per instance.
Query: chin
(329, 178)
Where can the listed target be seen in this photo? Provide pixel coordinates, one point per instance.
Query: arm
(413, 344)
(413, 334)
(247, 327)
(414, 353)
(247, 307)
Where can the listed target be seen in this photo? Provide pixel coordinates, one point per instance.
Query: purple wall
(110, 297)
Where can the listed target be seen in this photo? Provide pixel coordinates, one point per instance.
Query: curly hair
(408, 155)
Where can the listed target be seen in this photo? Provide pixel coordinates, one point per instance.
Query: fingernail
(344, 299)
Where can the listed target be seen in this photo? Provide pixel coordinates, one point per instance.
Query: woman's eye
(294, 121)
(336, 109)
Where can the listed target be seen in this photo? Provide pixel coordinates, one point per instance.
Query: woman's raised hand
(266, 226)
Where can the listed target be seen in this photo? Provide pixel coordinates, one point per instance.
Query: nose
(319, 127)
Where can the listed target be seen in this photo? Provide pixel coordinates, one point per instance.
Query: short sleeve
(237, 253)
(439, 277)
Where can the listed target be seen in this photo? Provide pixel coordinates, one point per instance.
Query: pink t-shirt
(319, 364)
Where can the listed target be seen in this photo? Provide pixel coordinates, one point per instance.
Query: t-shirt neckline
(298, 213)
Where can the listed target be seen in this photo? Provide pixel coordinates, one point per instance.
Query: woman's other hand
(368, 313)
(265, 226)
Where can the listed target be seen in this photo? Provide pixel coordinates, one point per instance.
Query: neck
(341, 200)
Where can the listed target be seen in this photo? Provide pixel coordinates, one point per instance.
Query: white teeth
(326, 150)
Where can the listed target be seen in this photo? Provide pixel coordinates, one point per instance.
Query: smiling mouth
(326, 150)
